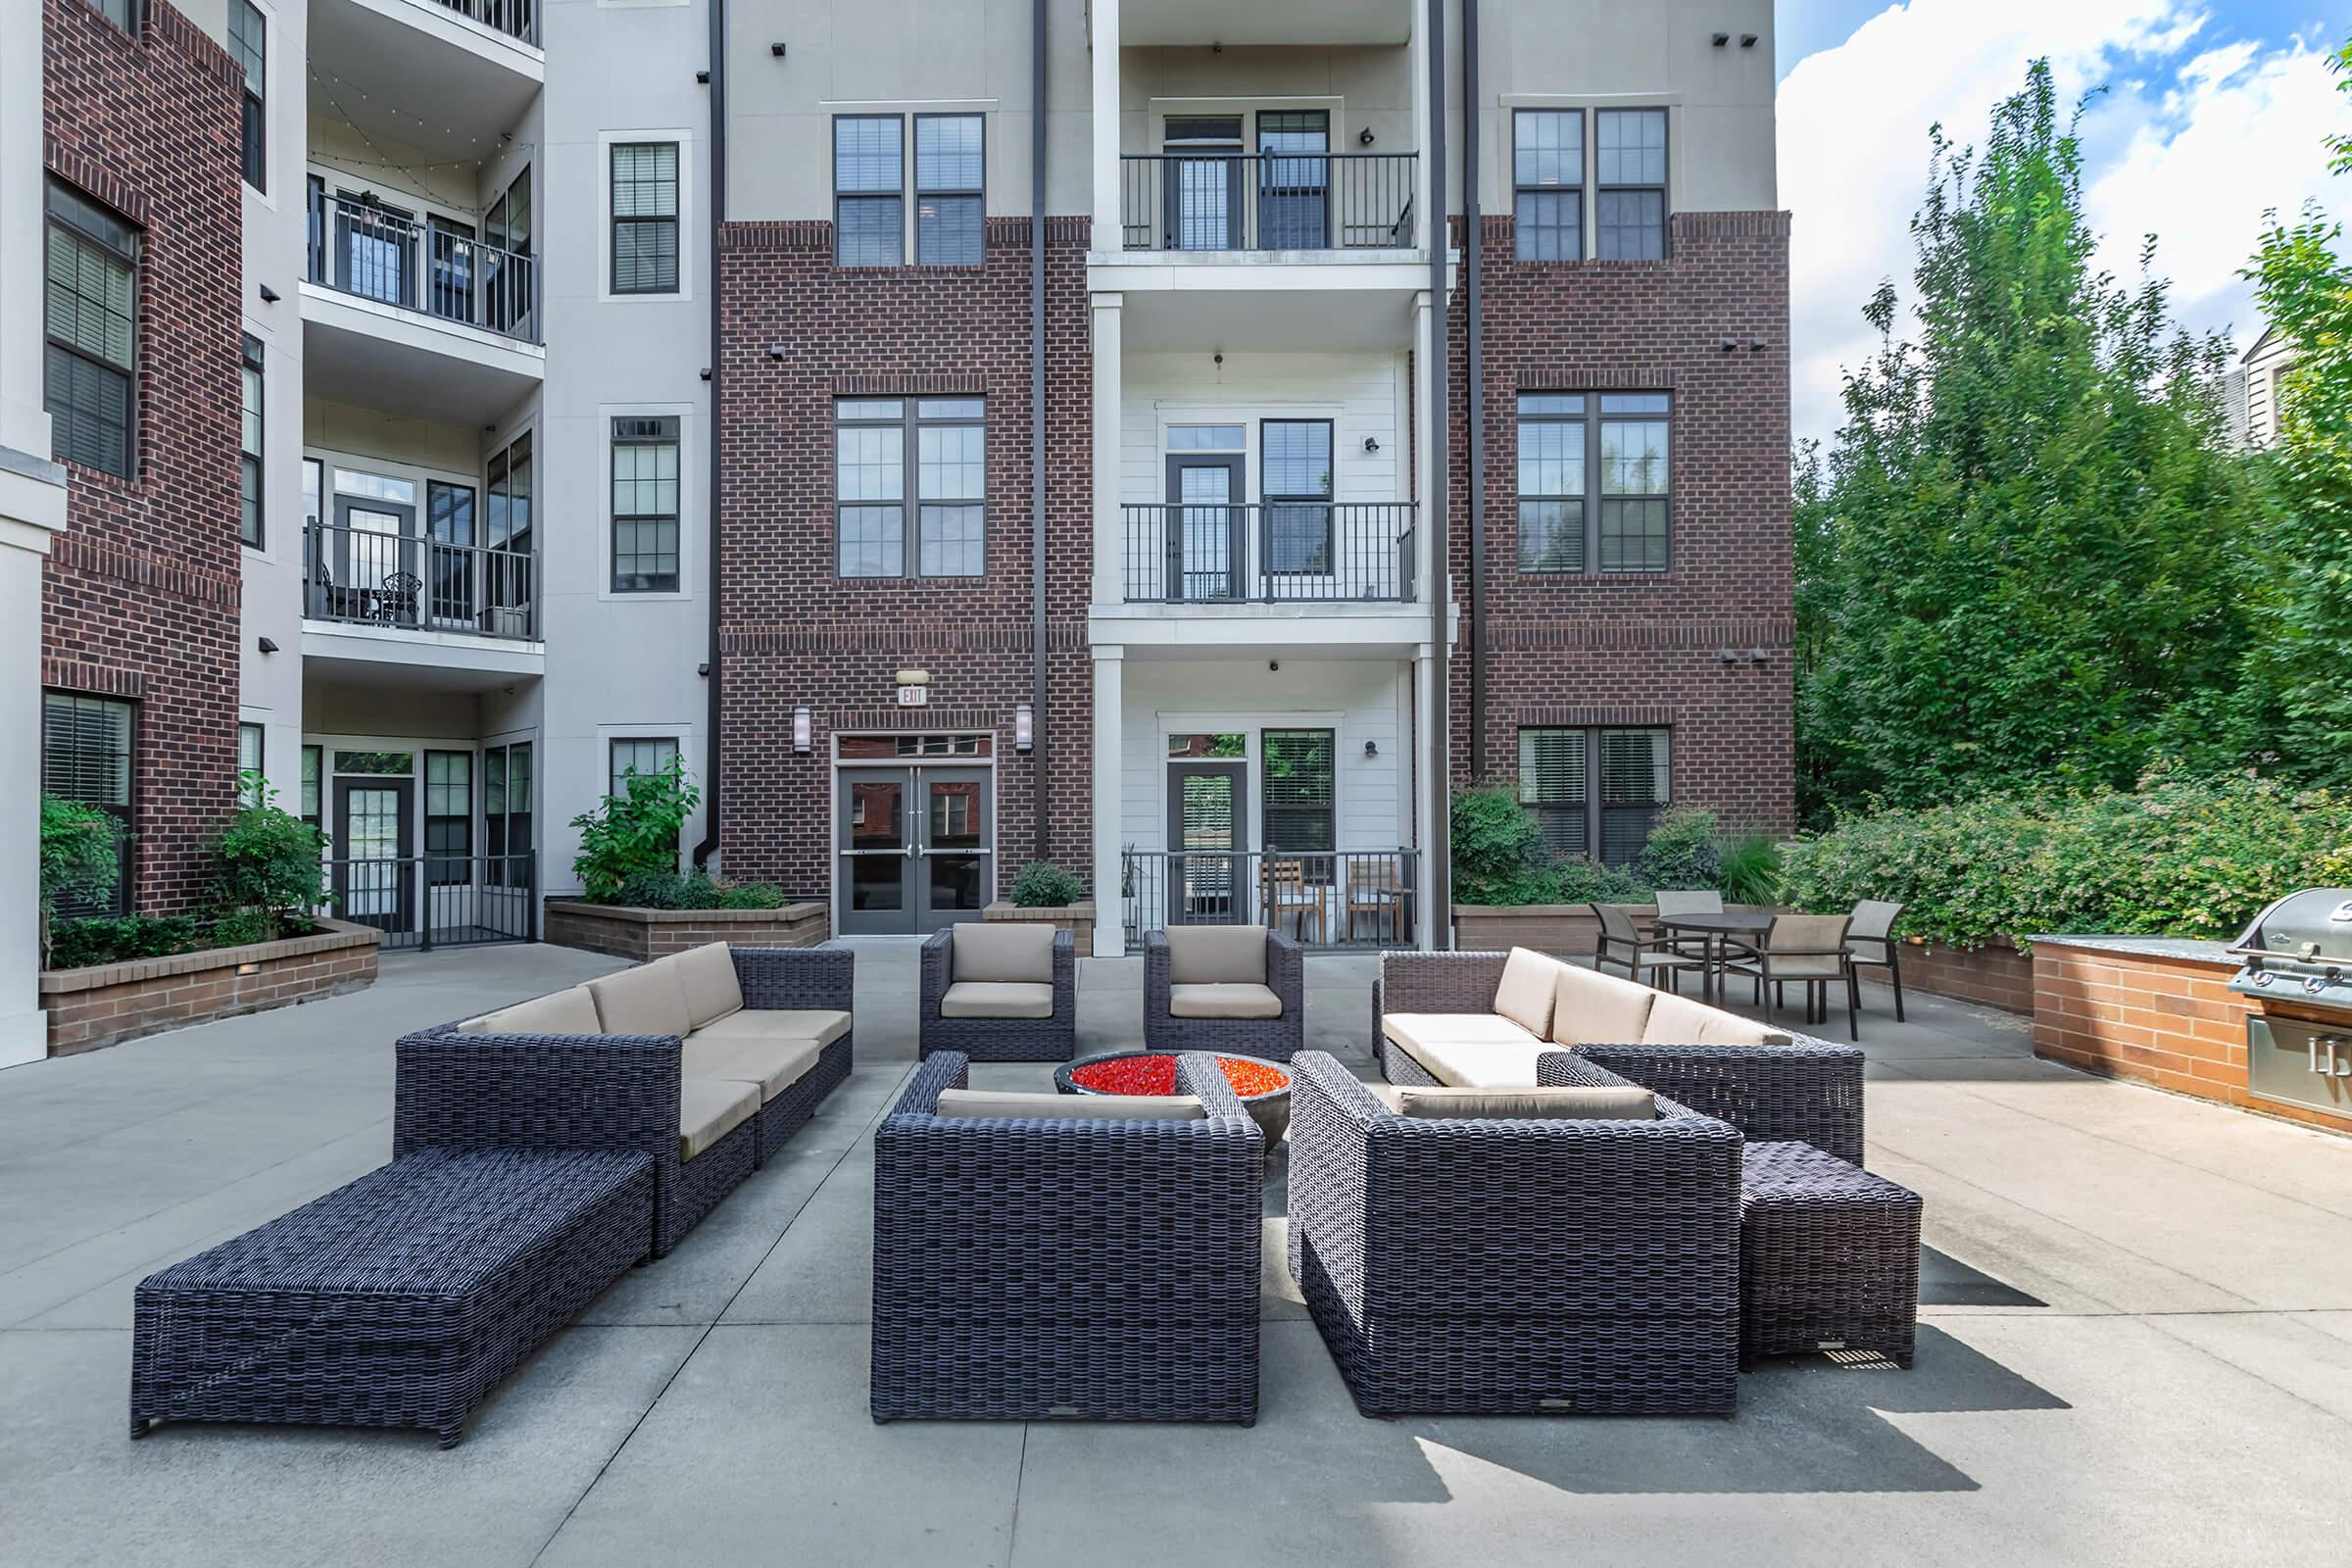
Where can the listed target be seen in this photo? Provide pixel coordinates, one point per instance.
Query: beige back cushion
(1806, 933)
(1729, 1029)
(1524, 993)
(564, 1012)
(645, 1001)
(1700, 901)
(1004, 953)
(1000, 1105)
(1614, 1103)
(1591, 1009)
(1218, 956)
(1680, 1021)
(707, 974)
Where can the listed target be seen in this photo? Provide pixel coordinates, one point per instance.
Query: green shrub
(2177, 857)
(81, 851)
(1683, 852)
(667, 889)
(267, 872)
(1577, 880)
(634, 832)
(110, 939)
(1752, 869)
(1498, 853)
(1042, 885)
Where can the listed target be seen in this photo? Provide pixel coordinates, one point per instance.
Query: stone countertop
(2191, 948)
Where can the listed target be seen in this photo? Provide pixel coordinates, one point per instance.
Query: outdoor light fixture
(776, 49)
(1371, 443)
(1722, 39)
(800, 732)
(268, 295)
(268, 645)
(1371, 748)
(1747, 40)
(1024, 727)
(1363, 138)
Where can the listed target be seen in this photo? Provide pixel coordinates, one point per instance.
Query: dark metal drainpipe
(718, 200)
(1039, 727)
(1473, 251)
(1441, 778)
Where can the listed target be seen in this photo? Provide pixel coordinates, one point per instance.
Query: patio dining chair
(1642, 958)
(1286, 889)
(1870, 939)
(1809, 950)
(396, 598)
(1374, 890)
(1693, 901)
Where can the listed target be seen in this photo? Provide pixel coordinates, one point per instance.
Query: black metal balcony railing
(377, 253)
(437, 900)
(517, 18)
(1281, 551)
(1267, 201)
(371, 577)
(1331, 899)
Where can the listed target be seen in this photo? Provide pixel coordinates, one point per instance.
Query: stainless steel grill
(2295, 963)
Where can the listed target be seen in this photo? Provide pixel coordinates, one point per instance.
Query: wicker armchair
(1103, 1270)
(1277, 1038)
(1054, 1038)
(1516, 1267)
(1806, 1092)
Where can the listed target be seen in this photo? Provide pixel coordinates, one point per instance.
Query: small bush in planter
(696, 890)
(634, 832)
(268, 871)
(1042, 885)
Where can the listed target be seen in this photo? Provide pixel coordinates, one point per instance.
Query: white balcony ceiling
(419, 74)
(370, 355)
(1145, 23)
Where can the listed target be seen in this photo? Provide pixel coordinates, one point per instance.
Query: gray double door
(914, 847)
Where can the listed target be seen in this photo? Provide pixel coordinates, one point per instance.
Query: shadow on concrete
(1946, 1281)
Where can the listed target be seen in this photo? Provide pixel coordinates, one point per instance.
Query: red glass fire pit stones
(1264, 1087)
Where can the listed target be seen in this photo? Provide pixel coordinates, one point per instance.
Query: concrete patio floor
(2135, 1347)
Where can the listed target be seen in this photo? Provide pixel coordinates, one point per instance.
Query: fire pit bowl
(1264, 1087)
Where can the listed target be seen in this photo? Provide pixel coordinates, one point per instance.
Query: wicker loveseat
(1000, 993)
(1238, 989)
(1041, 1256)
(1530, 1263)
(729, 1050)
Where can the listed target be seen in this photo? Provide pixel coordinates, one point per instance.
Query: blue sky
(2212, 113)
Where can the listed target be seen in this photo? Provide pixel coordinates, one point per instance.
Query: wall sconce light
(268, 295)
(1725, 655)
(268, 645)
(703, 76)
(1371, 750)
(1024, 728)
(1363, 138)
(1371, 443)
(800, 727)
(775, 351)
(705, 372)
(1722, 39)
(1760, 655)
(1747, 40)
(776, 49)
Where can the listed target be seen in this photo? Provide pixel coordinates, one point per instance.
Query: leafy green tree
(2304, 282)
(268, 866)
(2024, 558)
(634, 832)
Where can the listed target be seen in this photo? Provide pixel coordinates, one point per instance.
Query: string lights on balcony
(383, 160)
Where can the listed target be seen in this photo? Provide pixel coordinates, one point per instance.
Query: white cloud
(2193, 150)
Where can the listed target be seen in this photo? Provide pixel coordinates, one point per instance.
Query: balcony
(369, 578)
(517, 18)
(475, 62)
(1287, 553)
(1328, 899)
(1274, 203)
(380, 253)
(1254, 22)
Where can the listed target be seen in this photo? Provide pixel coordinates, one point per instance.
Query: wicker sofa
(1514, 1254)
(1238, 989)
(1041, 1256)
(730, 1050)
(999, 992)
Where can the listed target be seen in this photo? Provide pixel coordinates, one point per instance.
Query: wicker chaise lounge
(1041, 1256)
(1238, 989)
(1000, 993)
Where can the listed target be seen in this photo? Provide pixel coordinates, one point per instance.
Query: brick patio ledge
(106, 1004)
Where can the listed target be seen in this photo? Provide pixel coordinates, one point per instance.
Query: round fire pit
(1264, 1087)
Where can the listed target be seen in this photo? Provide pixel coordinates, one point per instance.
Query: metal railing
(517, 18)
(363, 577)
(372, 251)
(1281, 551)
(1266, 201)
(438, 901)
(1329, 899)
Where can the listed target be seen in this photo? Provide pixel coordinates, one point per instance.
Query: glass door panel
(371, 867)
(1205, 529)
(1208, 833)
(877, 849)
(1203, 176)
(956, 853)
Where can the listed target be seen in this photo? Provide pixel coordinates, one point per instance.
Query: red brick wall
(140, 597)
(1644, 649)
(116, 1001)
(793, 633)
(1995, 975)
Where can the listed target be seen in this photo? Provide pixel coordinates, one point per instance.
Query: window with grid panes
(448, 819)
(86, 757)
(1629, 170)
(645, 504)
(506, 813)
(1596, 481)
(249, 444)
(249, 764)
(1299, 796)
(950, 189)
(312, 757)
(869, 184)
(1594, 793)
(91, 305)
(1295, 483)
(1547, 185)
(1635, 499)
(644, 757)
(248, 45)
(645, 217)
(924, 456)
(123, 13)
(1552, 433)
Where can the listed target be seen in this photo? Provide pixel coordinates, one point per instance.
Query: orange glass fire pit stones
(1264, 1087)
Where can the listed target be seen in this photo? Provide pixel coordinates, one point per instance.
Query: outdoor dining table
(1716, 928)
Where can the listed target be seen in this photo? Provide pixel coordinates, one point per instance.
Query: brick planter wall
(621, 932)
(1078, 919)
(1997, 975)
(109, 1002)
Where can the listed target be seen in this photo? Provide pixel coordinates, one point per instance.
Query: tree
(2024, 559)
(2304, 286)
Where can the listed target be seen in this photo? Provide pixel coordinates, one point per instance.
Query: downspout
(1441, 778)
(1039, 727)
(719, 195)
(1474, 252)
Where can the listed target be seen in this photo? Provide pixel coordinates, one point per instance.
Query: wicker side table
(1828, 1257)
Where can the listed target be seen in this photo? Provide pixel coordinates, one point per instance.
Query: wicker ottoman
(1829, 1255)
(399, 1300)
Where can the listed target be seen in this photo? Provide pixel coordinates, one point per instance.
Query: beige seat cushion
(710, 1108)
(1521, 1104)
(1223, 1001)
(644, 1000)
(1591, 1009)
(1413, 1030)
(562, 1012)
(823, 1025)
(776, 1066)
(1000, 1105)
(1002, 953)
(1680, 1021)
(1485, 1063)
(1808, 966)
(1217, 954)
(707, 974)
(996, 999)
(1524, 993)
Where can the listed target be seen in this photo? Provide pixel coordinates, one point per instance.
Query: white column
(1103, 35)
(1109, 377)
(1427, 569)
(1110, 931)
(1429, 795)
